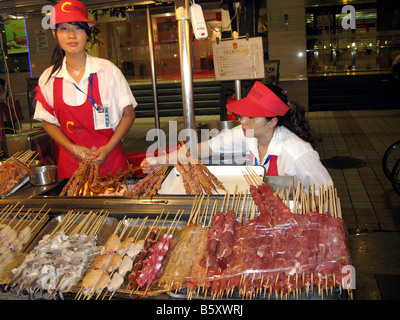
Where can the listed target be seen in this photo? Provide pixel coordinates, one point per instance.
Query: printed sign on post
(238, 59)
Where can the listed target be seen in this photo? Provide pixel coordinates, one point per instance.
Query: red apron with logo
(77, 124)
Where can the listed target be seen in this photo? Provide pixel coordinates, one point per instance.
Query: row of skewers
(253, 257)
(129, 263)
(148, 186)
(60, 258)
(219, 252)
(17, 229)
(86, 182)
(196, 177)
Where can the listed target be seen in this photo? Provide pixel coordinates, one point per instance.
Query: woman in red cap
(273, 131)
(85, 103)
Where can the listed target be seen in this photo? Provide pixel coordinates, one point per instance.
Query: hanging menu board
(238, 59)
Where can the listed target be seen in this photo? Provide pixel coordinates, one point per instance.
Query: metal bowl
(43, 175)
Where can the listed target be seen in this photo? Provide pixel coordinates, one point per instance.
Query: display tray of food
(76, 253)
(239, 246)
(185, 179)
(57, 257)
(272, 254)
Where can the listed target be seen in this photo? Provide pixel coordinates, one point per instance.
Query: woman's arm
(128, 117)
(152, 164)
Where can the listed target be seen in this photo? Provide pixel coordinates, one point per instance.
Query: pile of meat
(197, 178)
(11, 174)
(86, 182)
(148, 186)
(278, 255)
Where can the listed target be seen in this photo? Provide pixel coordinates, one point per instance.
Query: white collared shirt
(295, 156)
(114, 89)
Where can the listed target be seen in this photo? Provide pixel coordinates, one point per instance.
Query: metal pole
(238, 83)
(182, 16)
(153, 67)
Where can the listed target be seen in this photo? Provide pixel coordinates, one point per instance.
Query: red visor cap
(260, 102)
(69, 11)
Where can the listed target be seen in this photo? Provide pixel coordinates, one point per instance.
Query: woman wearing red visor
(85, 103)
(273, 131)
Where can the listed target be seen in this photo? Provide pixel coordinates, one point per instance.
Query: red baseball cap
(260, 102)
(69, 11)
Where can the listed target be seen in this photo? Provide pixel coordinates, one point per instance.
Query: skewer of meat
(154, 262)
(186, 184)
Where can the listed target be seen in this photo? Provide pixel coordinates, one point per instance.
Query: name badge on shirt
(101, 118)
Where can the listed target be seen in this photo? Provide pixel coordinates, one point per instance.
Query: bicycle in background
(391, 165)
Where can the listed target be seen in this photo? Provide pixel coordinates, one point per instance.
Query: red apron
(78, 125)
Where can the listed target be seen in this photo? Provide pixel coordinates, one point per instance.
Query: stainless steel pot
(43, 175)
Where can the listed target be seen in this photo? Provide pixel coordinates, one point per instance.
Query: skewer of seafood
(59, 259)
(14, 237)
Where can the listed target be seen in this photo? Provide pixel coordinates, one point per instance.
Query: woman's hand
(101, 154)
(80, 152)
(150, 165)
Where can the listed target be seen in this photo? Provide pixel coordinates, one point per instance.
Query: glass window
(125, 42)
(331, 48)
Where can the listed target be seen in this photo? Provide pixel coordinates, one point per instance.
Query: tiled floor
(370, 207)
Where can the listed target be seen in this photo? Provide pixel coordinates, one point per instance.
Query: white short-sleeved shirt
(114, 89)
(295, 157)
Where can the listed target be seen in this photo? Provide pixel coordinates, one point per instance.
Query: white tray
(230, 176)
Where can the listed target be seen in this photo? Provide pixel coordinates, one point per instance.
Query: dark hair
(295, 119)
(58, 53)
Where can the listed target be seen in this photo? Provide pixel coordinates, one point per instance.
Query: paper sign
(238, 59)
